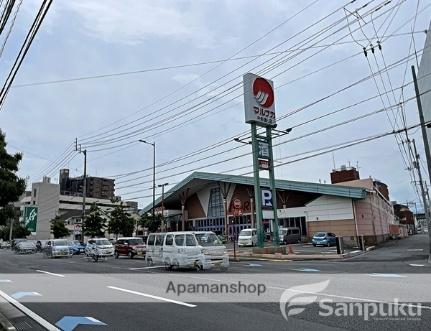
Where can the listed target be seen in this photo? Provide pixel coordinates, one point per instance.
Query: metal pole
(84, 185)
(154, 180)
(426, 145)
(163, 205)
(10, 231)
(276, 238)
(257, 191)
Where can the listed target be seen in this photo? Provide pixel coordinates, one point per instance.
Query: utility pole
(163, 206)
(84, 180)
(427, 149)
(421, 183)
(154, 174)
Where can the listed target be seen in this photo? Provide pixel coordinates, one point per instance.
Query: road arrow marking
(387, 275)
(68, 323)
(19, 295)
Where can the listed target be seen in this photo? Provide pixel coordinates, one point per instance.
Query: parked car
(99, 247)
(77, 247)
(5, 244)
(15, 242)
(324, 239)
(213, 249)
(247, 237)
(154, 248)
(289, 235)
(182, 250)
(130, 246)
(25, 247)
(57, 248)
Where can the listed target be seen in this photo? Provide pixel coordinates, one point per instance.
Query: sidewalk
(291, 257)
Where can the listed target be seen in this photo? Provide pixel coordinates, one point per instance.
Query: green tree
(19, 231)
(94, 224)
(120, 221)
(58, 228)
(147, 221)
(11, 186)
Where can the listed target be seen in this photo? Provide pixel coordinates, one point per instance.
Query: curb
(5, 324)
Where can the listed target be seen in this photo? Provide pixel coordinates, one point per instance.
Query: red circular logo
(263, 92)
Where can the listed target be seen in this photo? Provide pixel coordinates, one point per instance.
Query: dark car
(130, 247)
(324, 239)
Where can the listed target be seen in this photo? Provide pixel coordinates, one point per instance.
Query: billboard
(30, 217)
(259, 102)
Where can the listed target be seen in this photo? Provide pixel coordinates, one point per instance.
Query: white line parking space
(152, 296)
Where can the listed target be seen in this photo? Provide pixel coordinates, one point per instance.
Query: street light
(163, 207)
(154, 174)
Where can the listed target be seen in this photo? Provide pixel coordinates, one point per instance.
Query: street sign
(263, 150)
(264, 164)
(266, 198)
(259, 103)
(30, 217)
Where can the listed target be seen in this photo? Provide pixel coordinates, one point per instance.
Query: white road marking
(50, 273)
(5, 281)
(415, 250)
(29, 312)
(387, 275)
(152, 267)
(354, 252)
(416, 265)
(152, 296)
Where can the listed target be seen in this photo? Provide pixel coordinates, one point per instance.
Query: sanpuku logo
(294, 299)
(301, 296)
(263, 92)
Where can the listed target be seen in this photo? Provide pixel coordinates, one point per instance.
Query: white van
(181, 250)
(214, 251)
(247, 237)
(154, 253)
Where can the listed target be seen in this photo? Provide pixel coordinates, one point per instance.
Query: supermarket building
(350, 207)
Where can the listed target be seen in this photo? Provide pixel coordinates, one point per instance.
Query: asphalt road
(125, 294)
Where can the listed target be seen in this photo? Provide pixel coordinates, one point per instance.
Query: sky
(185, 94)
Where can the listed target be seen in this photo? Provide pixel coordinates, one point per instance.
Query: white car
(182, 250)
(247, 237)
(214, 251)
(99, 247)
(57, 248)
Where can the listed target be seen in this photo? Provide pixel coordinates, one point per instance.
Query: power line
(187, 111)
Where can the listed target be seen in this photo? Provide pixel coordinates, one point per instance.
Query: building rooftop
(196, 180)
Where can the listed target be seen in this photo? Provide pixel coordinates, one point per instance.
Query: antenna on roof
(333, 160)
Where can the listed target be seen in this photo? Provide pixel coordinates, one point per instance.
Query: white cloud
(132, 22)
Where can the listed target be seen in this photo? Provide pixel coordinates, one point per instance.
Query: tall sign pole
(276, 238)
(260, 111)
